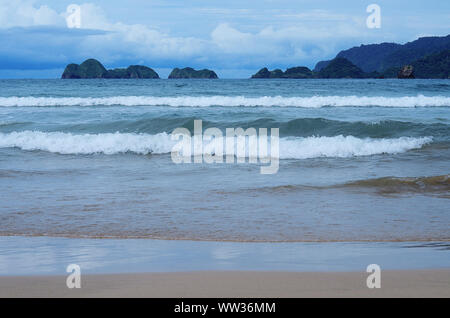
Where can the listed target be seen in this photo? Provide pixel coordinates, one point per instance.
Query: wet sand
(403, 283)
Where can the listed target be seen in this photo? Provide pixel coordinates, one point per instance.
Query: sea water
(360, 160)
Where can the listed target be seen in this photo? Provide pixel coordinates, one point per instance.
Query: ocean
(360, 160)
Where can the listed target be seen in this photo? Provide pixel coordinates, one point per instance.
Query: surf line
(211, 146)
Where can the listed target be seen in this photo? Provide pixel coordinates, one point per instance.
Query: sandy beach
(405, 283)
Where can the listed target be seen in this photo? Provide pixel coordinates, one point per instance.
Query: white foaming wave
(107, 143)
(346, 146)
(230, 101)
(290, 147)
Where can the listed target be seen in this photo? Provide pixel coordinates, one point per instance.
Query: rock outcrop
(298, 72)
(337, 68)
(92, 68)
(341, 68)
(406, 71)
(265, 73)
(189, 72)
(294, 72)
(133, 71)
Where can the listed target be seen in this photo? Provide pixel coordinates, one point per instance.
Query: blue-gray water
(51, 256)
(361, 160)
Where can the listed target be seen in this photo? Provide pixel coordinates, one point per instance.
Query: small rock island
(294, 72)
(341, 68)
(189, 72)
(92, 68)
(406, 71)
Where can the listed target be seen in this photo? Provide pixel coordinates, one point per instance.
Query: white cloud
(93, 17)
(21, 13)
(281, 44)
(135, 39)
(231, 40)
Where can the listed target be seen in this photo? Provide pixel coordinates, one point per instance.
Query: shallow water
(51, 256)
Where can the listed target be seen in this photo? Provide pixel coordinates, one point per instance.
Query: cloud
(20, 13)
(121, 43)
(42, 47)
(36, 37)
(285, 45)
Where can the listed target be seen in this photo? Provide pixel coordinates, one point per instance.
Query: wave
(299, 127)
(408, 184)
(229, 101)
(67, 143)
(346, 146)
(116, 143)
(385, 185)
(380, 129)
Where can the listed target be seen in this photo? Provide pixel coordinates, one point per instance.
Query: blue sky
(235, 38)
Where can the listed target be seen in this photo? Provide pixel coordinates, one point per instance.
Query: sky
(233, 37)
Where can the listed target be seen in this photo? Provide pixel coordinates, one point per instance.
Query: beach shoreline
(233, 284)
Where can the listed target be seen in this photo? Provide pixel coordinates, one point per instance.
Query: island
(426, 57)
(293, 72)
(336, 68)
(189, 72)
(91, 68)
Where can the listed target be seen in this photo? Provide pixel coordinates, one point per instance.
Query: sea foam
(230, 101)
(346, 146)
(116, 143)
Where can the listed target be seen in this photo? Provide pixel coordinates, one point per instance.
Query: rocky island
(92, 68)
(337, 68)
(406, 71)
(189, 72)
(294, 72)
(341, 68)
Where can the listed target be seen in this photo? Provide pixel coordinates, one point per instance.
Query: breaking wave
(346, 146)
(229, 101)
(116, 143)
